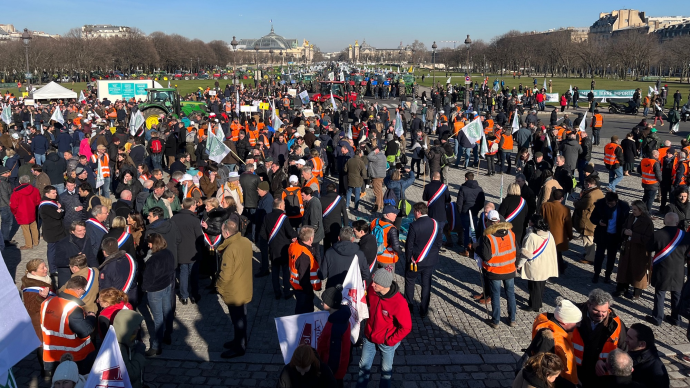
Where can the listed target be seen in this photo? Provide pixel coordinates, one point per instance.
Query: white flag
(57, 116)
(237, 103)
(583, 123)
(7, 114)
(335, 107)
(217, 150)
(348, 134)
(295, 330)
(516, 121)
(354, 296)
(82, 99)
(448, 81)
(544, 83)
(483, 148)
(571, 89)
(473, 236)
(398, 125)
(474, 130)
(109, 368)
(136, 122)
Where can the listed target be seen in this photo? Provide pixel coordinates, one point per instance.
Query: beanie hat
(567, 312)
(333, 297)
(264, 186)
(67, 370)
(383, 278)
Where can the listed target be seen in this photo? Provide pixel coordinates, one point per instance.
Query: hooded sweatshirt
(126, 325)
(336, 262)
(389, 317)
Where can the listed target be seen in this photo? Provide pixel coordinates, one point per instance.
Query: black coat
(189, 227)
(336, 262)
(168, 230)
(158, 271)
(250, 183)
(602, 212)
(52, 229)
(629, 150)
(71, 246)
(668, 274)
(120, 271)
(437, 209)
(127, 246)
(683, 212)
(214, 221)
(470, 197)
(418, 235)
(55, 168)
(278, 246)
(648, 369)
(510, 204)
(333, 221)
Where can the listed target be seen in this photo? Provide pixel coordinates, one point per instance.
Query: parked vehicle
(630, 108)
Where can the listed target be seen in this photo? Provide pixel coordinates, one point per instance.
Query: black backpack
(292, 203)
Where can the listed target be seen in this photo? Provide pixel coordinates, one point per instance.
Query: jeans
(276, 271)
(464, 237)
(189, 273)
(158, 315)
(509, 287)
(581, 163)
(50, 255)
(105, 189)
(358, 191)
(648, 198)
(596, 137)
(475, 152)
(8, 224)
(40, 158)
(156, 160)
(368, 354)
(615, 177)
(60, 187)
(467, 152)
(645, 111)
(658, 309)
(456, 147)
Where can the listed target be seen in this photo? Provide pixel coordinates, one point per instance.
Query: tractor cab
(167, 97)
(336, 89)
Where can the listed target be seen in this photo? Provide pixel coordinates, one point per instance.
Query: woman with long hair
(635, 262)
(537, 260)
(540, 371)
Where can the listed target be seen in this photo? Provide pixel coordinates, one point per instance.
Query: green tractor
(164, 101)
(411, 87)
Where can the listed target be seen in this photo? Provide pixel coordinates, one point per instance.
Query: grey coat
(5, 192)
(377, 165)
(570, 149)
(313, 216)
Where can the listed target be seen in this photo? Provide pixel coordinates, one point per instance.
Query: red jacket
(24, 202)
(334, 347)
(389, 317)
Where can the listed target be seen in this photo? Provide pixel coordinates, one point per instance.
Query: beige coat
(91, 297)
(545, 192)
(545, 265)
(560, 223)
(584, 208)
(635, 263)
(235, 280)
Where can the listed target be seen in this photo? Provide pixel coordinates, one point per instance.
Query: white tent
(53, 91)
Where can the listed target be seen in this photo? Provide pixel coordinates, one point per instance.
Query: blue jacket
(264, 207)
(401, 185)
(95, 235)
(64, 142)
(39, 144)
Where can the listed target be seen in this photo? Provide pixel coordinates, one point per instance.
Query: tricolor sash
(212, 244)
(664, 253)
(277, 226)
(427, 247)
(452, 216)
(332, 206)
(37, 290)
(132, 273)
(541, 248)
(123, 238)
(97, 224)
(48, 203)
(439, 192)
(372, 265)
(517, 210)
(90, 276)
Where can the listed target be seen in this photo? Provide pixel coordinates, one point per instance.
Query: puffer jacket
(23, 203)
(55, 167)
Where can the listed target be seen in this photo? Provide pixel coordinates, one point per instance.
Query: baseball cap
(389, 209)
(494, 216)
(293, 178)
(301, 161)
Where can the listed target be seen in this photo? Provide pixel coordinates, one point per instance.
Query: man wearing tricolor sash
(421, 251)
(96, 229)
(276, 229)
(119, 270)
(437, 195)
(668, 268)
(80, 267)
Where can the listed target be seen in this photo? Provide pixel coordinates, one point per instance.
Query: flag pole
(481, 275)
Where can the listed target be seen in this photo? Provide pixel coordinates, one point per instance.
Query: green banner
(601, 93)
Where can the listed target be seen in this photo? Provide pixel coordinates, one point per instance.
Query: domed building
(289, 47)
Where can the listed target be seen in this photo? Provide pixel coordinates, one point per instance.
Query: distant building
(574, 34)
(673, 31)
(105, 31)
(623, 20)
(291, 50)
(368, 52)
(8, 32)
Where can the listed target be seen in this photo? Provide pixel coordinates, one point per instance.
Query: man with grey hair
(600, 332)
(96, 229)
(618, 374)
(337, 259)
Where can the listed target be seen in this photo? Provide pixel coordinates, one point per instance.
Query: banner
(6, 115)
(17, 335)
(474, 130)
(294, 330)
(217, 150)
(601, 93)
(292, 92)
(135, 122)
(354, 296)
(109, 368)
(57, 116)
(304, 96)
(7, 380)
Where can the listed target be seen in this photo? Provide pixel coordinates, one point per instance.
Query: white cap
(80, 115)
(494, 216)
(191, 122)
(15, 136)
(567, 312)
(293, 178)
(301, 161)
(186, 177)
(297, 134)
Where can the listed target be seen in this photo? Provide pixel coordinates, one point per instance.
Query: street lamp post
(26, 38)
(256, 57)
(468, 42)
(234, 44)
(433, 64)
(270, 53)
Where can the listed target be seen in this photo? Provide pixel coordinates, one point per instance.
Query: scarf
(45, 279)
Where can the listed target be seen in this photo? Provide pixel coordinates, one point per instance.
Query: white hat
(234, 176)
(297, 135)
(80, 115)
(301, 161)
(293, 178)
(186, 177)
(67, 370)
(15, 136)
(494, 216)
(191, 122)
(567, 312)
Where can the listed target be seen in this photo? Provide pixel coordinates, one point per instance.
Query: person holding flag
(422, 254)
(537, 260)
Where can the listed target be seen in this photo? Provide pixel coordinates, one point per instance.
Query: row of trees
(158, 51)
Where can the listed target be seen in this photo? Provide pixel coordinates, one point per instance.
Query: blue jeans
(464, 237)
(645, 111)
(40, 158)
(475, 152)
(581, 171)
(105, 189)
(457, 153)
(509, 287)
(615, 177)
(158, 314)
(468, 153)
(60, 187)
(50, 255)
(368, 354)
(8, 223)
(358, 191)
(156, 160)
(648, 198)
(189, 273)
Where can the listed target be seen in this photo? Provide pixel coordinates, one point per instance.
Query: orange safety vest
(355, 131)
(58, 338)
(662, 152)
(610, 345)
(490, 123)
(317, 167)
(299, 198)
(610, 154)
(561, 130)
(503, 254)
(313, 181)
(647, 167)
(458, 126)
(388, 256)
(295, 250)
(598, 121)
(253, 135)
(190, 192)
(105, 164)
(235, 131)
(507, 142)
(563, 346)
(490, 144)
(684, 178)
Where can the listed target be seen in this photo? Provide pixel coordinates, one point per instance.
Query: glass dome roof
(272, 41)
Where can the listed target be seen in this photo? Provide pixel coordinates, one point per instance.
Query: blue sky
(331, 25)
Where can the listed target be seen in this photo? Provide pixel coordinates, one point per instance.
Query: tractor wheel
(225, 77)
(186, 78)
(612, 110)
(151, 116)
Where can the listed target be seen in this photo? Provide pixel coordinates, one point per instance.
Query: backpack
(107, 202)
(292, 205)
(389, 198)
(156, 146)
(244, 221)
(378, 234)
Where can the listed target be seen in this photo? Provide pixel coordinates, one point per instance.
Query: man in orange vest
(100, 164)
(613, 160)
(304, 269)
(651, 178)
(497, 249)
(600, 332)
(505, 150)
(597, 123)
(67, 327)
(552, 333)
(389, 249)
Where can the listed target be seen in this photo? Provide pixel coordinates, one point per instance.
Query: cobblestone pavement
(453, 346)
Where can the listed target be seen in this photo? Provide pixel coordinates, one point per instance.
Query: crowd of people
(135, 223)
